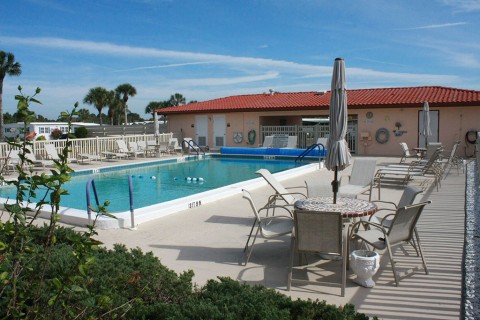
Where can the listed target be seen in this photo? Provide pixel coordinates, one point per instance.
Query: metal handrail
(309, 149)
(91, 184)
(192, 144)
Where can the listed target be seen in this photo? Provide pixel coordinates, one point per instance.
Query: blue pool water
(162, 182)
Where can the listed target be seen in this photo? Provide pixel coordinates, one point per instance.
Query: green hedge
(122, 283)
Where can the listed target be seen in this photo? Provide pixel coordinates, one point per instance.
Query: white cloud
(164, 66)
(224, 81)
(464, 5)
(436, 26)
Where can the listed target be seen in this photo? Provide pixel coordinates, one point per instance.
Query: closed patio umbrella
(426, 122)
(338, 155)
(155, 123)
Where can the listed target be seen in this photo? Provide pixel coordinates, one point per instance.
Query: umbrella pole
(335, 186)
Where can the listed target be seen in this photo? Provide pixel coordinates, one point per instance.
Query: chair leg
(250, 235)
(392, 262)
(292, 258)
(420, 250)
(345, 260)
(251, 247)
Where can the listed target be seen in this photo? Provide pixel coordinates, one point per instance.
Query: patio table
(420, 151)
(349, 207)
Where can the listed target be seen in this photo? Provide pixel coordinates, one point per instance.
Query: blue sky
(206, 49)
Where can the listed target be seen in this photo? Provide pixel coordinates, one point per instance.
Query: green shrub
(135, 285)
(41, 138)
(81, 132)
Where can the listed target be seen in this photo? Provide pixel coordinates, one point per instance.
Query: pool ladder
(91, 186)
(192, 145)
(310, 149)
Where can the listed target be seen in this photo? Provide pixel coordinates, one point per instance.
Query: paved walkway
(209, 240)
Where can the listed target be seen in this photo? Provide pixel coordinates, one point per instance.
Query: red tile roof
(360, 98)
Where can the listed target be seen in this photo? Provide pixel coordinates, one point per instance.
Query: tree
(84, 115)
(135, 117)
(177, 99)
(155, 105)
(12, 68)
(126, 90)
(98, 97)
(114, 107)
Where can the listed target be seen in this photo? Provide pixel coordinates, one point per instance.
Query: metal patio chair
(268, 227)
(360, 180)
(318, 233)
(402, 230)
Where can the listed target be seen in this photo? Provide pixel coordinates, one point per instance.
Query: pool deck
(209, 240)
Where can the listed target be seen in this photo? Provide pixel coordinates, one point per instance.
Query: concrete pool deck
(209, 240)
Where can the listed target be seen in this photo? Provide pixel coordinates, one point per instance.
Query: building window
(43, 130)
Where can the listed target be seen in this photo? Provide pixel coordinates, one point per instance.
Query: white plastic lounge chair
(269, 227)
(189, 144)
(267, 142)
(14, 160)
(162, 148)
(142, 146)
(109, 155)
(53, 155)
(133, 146)
(122, 148)
(292, 142)
(173, 145)
(87, 158)
(282, 193)
(318, 232)
(360, 179)
(402, 230)
(37, 162)
(322, 141)
(280, 141)
(406, 153)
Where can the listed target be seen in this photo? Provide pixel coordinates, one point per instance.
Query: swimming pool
(164, 187)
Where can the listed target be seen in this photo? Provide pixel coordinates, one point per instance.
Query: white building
(37, 129)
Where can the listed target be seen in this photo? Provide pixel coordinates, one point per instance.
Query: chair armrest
(290, 193)
(388, 215)
(386, 202)
(343, 177)
(366, 224)
(273, 207)
(296, 187)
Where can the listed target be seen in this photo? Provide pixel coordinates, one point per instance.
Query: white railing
(308, 135)
(95, 145)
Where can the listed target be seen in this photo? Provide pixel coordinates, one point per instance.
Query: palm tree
(114, 107)
(83, 115)
(99, 97)
(177, 99)
(125, 90)
(12, 68)
(155, 105)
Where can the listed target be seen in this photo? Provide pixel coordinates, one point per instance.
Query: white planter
(365, 264)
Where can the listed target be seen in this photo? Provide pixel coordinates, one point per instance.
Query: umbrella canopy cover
(426, 131)
(338, 155)
(155, 123)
